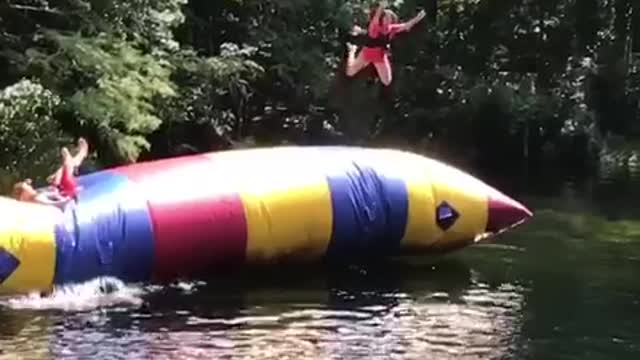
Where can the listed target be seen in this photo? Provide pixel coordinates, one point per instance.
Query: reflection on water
(410, 311)
(563, 286)
(428, 325)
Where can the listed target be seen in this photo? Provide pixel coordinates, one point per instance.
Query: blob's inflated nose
(504, 212)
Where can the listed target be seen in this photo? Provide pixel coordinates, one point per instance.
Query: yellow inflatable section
(434, 183)
(27, 245)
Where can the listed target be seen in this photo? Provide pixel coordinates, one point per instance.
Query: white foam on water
(96, 293)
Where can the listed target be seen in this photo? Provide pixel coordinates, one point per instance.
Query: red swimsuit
(379, 54)
(68, 183)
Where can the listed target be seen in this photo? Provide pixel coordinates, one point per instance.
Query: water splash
(96, 293)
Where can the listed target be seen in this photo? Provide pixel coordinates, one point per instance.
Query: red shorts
(67, 184)
(375, 55)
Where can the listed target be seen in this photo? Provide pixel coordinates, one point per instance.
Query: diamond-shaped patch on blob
(8, 264)
(446, 216)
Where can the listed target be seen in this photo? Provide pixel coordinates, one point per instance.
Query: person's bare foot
(82, 152)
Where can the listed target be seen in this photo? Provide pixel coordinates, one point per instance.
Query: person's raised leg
(354, 63)
(67, 181)
(81, 154)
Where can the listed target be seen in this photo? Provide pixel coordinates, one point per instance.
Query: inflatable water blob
(200, 214)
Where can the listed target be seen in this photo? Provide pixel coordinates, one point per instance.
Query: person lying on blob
(383, 26)
(63, 187)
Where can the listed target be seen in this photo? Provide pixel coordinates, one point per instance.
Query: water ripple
(479, 321)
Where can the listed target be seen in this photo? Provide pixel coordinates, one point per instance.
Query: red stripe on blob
(199, 227)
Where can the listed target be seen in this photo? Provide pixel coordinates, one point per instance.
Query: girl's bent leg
(383, 69)
(354, 63)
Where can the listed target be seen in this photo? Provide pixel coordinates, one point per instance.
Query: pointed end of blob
(505, 213)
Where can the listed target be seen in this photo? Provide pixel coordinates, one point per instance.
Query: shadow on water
(383, 285)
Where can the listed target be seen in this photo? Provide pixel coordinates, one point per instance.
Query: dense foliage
(492, 81)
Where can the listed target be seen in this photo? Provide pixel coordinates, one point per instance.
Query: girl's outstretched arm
(406, 26)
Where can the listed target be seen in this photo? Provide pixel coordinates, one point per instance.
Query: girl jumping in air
(383, 26)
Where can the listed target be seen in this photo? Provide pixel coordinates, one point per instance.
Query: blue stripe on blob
(370, 212)
(107, 232)
(8, 264)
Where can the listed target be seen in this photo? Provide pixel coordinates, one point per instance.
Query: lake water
(563, 286)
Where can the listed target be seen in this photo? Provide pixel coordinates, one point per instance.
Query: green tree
(30, 136)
